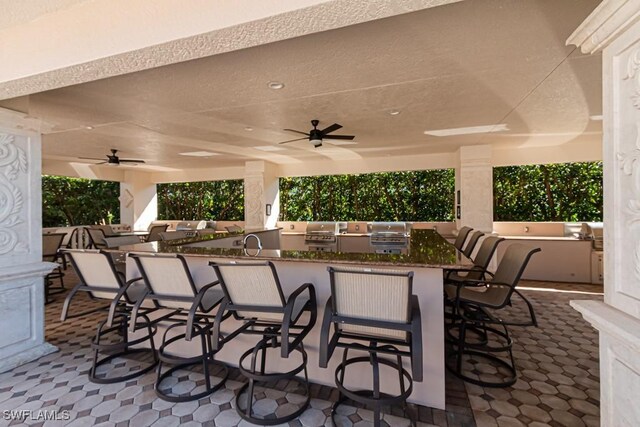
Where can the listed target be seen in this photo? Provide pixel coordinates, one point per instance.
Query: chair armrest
(468, 270)
(326, 349)
(288, 312)
(114, 303)
(416, 339)
(67, 301)
(194, 308)
(136, 308)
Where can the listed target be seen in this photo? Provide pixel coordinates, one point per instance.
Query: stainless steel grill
(322, 236)
(190, 225)
(389, 237)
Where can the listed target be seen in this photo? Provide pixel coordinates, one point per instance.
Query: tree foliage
(208, 200)
(555, 192)
(388, 196)
(76, 201)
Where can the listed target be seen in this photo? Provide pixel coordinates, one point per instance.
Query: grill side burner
(389, 237)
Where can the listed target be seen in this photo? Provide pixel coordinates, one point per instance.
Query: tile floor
(558, 385)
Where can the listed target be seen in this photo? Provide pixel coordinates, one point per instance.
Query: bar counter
(427, 256)
(427, 248)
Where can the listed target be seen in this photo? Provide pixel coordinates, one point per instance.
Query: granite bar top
(427, 249)
(214, 236)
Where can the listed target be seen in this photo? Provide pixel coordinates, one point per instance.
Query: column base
(27, 356)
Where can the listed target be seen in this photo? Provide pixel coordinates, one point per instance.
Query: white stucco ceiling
(15, 12)
(474, 63)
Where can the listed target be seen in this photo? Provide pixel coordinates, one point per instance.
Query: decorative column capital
(608, 21)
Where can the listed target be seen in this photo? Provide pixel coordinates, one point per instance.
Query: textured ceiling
(474, 63)
(16, 12)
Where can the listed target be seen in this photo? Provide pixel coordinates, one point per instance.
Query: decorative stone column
(21, 266)
(474, 188)
(614, 29)
(138, 200)
(261, 195)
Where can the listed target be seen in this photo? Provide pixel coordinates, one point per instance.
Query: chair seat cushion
(475, 295)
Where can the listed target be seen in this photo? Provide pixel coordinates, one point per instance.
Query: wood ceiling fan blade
(292, 140)
(131, 161)
(296, 131)
(90, 158)
(334, 127)
(346, 137)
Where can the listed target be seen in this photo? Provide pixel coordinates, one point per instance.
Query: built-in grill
(191, 225)
(389, 237)
(323, 235)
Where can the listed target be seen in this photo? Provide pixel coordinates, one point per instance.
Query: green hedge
(210, 200)
(77, 201)
(555, 192)
(389, 196)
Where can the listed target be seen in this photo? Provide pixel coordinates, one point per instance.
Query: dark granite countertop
(214, 236)
(427, 249)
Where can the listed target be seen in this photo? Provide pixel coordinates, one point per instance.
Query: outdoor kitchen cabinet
(293, 241)
(354, 243)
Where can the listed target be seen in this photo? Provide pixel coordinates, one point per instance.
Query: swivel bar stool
(254, 296)
(373, 311)
(477, 304)
(171, 286)
(98, 277)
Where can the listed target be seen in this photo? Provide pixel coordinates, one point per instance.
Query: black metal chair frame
(198, 322)
(274, 335)
(479, 319)
(119, 315)
(411, 348)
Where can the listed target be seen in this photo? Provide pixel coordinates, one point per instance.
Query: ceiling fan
(315, 135)
(113, 159)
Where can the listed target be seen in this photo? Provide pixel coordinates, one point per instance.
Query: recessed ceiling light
(200, 154)
(597, 118)
(394, 112)
(248, 129)
(467, 130)
(269, 148)
(276, 85)
(88, 127)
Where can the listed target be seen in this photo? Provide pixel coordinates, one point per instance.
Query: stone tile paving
(558, 386)
(559, 380)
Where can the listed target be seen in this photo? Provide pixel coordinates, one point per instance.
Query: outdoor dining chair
(51, 244)
(171, 286)
(99, 278)
(471, 244)
(477, 308)
(96, 238)
(155, 231)
(253, 295)
(373, 311)
(462, 237)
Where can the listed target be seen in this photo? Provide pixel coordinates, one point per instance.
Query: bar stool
(98, 277)
(462, 237)
(471, 244)
(51, 244)
(171, 286)
(376, 307)
(476, 309)
(254, 295)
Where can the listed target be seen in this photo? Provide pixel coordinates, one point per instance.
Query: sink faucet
(244, 241)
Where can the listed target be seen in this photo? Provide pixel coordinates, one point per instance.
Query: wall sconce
(268, 210)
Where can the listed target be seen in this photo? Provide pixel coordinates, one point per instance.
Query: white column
(21, 266)
(614, 28)
(138, 200)
(474, 182)
(261, 195)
